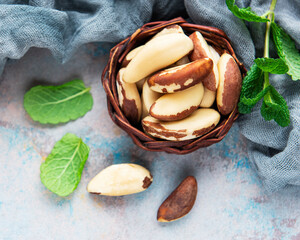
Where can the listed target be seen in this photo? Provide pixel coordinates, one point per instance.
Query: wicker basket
(215, 37)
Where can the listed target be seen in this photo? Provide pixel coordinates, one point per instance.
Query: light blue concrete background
(231, 203)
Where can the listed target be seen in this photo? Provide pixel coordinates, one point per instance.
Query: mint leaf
(61, 172)
(252, 89)
(271, 65)
(244, 13)
(287, 50)
(274, 107)
(58, 104)
(246, 104)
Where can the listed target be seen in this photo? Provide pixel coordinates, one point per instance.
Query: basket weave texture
(215, 37)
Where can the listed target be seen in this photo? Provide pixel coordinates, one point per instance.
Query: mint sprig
(274, 107)
(61, 172)
(271, 65)
(252, 90)
(244, 13)
(256, 85)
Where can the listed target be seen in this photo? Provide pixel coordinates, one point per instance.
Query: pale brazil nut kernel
(178, 105)
(208, 99)
(209, 96)
(129, 99)
(140, 84)
(182, 61)
(131, 55)
(180, 201)
(168, 30)
(120, 179)
(215, 54)
(148, 98)
(202, 50)
(181, 77)
(197, 124)
(230, 84)
(157, 54)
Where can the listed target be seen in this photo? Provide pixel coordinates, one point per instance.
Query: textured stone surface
(231, 203)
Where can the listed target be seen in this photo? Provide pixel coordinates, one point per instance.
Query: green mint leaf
(246, 104)
(58, 104)
(61, 172)
(271, 65)
(244, 13)
(287, 50)
(252, 89)
(274, 107)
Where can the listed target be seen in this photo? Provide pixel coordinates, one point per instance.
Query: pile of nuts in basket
(179, 78)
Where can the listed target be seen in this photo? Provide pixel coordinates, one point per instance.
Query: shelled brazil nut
(168, 30)
(182, 61)
(178, 105)
(120, 179)
(148, 98)
(180, 78)
(131, 55)
(230, 84)
(201, 50)
(198, 123)
(157, 54)
(210, 96)
(129, 99)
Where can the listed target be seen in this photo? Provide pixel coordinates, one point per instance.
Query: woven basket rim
(213, 36)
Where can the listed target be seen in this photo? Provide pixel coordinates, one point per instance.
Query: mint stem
(267, 42)
(266, 13)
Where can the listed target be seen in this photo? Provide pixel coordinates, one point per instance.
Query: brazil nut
(197, 124)
(180, 77)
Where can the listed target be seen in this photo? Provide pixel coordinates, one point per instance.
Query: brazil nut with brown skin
(209, 96)
(180, 77)
(230, 85)
(202, 50)
(178, 105)
(180, 202)
(129, 99)
(182, 61)
(140, 84)
(214, 53)
(120, 179)
(195, 125)
(131, 55)
(168, 30)
(157, 54)
(148, 98)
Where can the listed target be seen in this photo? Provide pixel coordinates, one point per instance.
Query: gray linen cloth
(63, 26)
